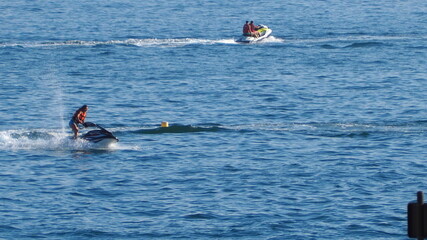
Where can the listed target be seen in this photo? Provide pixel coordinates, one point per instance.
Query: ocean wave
(352, 41)
(180, 129)
(358, 38)
(338, 130)
(364, 44)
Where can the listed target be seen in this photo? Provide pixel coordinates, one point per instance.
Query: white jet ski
(100, 137)
(264, 31)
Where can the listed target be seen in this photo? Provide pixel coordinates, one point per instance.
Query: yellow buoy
(165, 124)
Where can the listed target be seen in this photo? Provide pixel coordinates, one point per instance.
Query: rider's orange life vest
(82, 116)
(79, 116)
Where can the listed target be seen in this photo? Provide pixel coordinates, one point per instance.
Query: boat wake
(43, 139)
(273, 39)
(57, 140)
(149, 42)
(334, 129)
(344, 41)
(177, 128)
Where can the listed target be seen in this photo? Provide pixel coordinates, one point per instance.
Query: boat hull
(100, 138)
(104, 143)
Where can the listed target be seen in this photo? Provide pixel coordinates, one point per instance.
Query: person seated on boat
(78, 118)
(254, 29)
(247, 29)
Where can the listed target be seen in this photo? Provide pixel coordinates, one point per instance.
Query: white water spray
(53, 83)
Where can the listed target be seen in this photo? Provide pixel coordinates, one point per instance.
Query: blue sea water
(318, 132)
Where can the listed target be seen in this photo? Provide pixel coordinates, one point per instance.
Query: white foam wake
(151, 42)
(52, 140)
(41, 140)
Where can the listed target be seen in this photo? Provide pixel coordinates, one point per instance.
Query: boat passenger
(247, 29)
(254, 29)
(78, 118)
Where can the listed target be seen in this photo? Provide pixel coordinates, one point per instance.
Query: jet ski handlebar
(89, 124)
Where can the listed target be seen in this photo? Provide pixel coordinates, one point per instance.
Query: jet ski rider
(78, 118)
(254, 29)
(247, 29)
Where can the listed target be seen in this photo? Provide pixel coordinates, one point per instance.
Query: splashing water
(40, 140)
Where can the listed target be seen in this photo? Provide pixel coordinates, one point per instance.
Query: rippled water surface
(318, 132)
